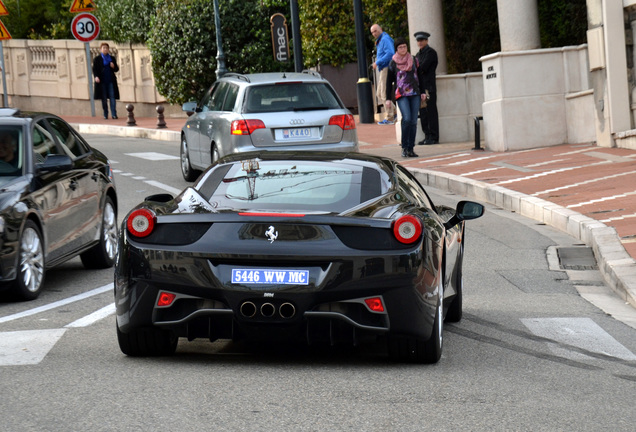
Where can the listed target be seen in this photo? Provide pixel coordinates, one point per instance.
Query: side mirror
(466, 210)
(56, 163)
(189, 107)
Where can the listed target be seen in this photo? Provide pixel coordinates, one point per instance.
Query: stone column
(426, 15)
(518, 25)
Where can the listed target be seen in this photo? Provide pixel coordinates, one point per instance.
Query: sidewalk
(584, 190)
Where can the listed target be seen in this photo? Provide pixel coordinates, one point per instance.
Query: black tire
(189, 173)
(454, 312)
(214, 154)
(147, 342)
(414, 350)
(31, 267)
(104, 253)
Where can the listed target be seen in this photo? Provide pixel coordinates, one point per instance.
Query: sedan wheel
(189, 174)
(103, 254)
(31, 265)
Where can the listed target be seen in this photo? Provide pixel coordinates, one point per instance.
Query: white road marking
(94, 317)
(617, 218)
(153, 156)
(582, 183)
(173, 191)
(609, 198)
(27, 347)
(429, 160)
(581, 333)
(480, 171)
(56, 304)
(547, 173)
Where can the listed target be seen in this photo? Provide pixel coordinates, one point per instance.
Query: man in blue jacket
(385, 50)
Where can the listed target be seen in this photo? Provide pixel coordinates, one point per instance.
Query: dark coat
(427, 58)
(98, 69)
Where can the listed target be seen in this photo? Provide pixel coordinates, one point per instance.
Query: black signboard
(280, 37)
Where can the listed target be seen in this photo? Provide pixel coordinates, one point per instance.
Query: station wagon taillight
(345, 121)
(246, 127)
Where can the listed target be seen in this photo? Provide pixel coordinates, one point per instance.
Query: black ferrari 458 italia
(321, 247)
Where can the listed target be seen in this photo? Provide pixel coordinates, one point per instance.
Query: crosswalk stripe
(57, 304)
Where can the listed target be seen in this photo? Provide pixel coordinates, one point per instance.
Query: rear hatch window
(293, 96)
(292, 185)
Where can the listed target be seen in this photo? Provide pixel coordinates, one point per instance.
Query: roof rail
(312, 72)
(236, 75)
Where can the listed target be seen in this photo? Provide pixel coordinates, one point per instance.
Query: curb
(128, 131)
(615, 264)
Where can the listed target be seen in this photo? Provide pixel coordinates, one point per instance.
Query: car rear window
(296, 96)
(292, 185)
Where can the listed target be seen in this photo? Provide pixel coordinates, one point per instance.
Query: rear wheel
(189, 173)
(415, 350)
(30, 278)
(214, 152)
(103, 254)
(147, 342)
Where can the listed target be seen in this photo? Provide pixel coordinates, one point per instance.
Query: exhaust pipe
(268, 310)
(287, 310)
(248, 309)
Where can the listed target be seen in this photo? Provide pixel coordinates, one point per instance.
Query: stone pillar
(426, 15)
(518, 25)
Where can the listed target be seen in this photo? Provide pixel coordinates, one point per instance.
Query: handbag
(424, 102)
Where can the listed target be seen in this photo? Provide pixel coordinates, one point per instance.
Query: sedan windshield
(11, 150)
(292, 185)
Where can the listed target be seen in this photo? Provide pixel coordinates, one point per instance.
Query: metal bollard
(131, 117)
(477, 134)
(161, 123)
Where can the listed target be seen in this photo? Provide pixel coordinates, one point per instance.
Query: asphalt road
(530, 354)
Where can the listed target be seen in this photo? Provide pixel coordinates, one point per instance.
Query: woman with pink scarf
(403, 85)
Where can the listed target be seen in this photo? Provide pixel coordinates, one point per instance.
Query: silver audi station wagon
(265, 111)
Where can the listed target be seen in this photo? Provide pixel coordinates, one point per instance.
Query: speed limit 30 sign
(85, 27)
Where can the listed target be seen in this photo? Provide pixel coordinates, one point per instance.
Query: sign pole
(90, 77)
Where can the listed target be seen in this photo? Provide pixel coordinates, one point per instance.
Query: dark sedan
(323, 247)
(57, 201)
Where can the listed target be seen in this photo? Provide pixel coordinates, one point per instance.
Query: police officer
(427, 59)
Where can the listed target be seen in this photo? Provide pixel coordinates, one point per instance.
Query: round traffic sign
(85, 27)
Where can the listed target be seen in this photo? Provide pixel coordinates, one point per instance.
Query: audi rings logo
(296, 122)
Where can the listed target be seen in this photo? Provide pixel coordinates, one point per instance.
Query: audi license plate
(270, 276)
(296, 133)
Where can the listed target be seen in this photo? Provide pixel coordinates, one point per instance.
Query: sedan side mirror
(56, 162)
(466, 210)
(190, 108)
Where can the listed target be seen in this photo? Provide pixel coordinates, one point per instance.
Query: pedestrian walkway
(584, 190)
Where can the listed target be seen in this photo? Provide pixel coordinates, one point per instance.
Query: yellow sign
(4, 33)
(82, 6)
(3, 9)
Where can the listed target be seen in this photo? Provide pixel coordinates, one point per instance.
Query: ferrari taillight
(345, 121)
(246, 127)
(407, 229)
(141, 222)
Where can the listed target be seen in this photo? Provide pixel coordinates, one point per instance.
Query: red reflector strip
(271, 214)
(165, 299)
(375, 304)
